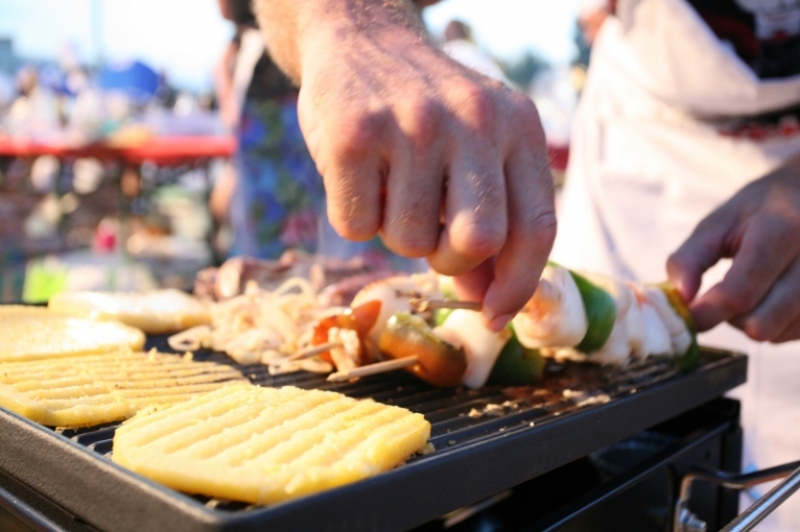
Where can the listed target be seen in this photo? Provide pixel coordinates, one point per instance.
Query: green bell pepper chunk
(689, 360)
(440, 315)
(517, 365)
(601, 312)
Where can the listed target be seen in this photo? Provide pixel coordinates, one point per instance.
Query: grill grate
(485, 441)
(459, 417)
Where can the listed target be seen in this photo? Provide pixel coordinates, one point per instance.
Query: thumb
(472, 285)
(702, 250)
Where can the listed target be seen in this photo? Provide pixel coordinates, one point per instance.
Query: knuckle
(526, 120)
(476, 106)
(739, 300)
(411, 233)
(480, 240)
(356, 134)
(760, 329)
(411, 244)
(347, 211)
(543, 228)
(357, 228)
(525, 111)
(675, 262)
(421, 120)
(536, 225)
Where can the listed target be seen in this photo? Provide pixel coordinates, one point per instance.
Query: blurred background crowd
(221, 168)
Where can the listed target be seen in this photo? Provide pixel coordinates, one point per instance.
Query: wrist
(335, 26)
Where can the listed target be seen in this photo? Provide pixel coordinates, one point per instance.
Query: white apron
(647, 163)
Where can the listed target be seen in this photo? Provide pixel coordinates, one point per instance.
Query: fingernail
(500, 322)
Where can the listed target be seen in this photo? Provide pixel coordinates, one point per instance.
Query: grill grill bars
(458, 417)
(486, 440)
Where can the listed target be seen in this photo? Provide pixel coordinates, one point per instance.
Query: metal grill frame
(488, 455)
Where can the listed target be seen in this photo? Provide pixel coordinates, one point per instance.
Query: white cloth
(470, 55)
(647, 163)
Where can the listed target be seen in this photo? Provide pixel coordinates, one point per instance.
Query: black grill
(485, 441)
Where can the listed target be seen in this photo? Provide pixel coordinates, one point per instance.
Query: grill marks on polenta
(265, 445)
(93, 389)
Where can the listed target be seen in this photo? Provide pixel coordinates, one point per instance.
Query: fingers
(462, 160)
(702, 250)
(768, 246)
(532, 230)
(476, 220)
(472, 286)
(777, 317)
(351, 164)
(792, 332)
(411, 219)
(475, 214)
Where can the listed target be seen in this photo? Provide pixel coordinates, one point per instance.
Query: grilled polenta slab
(154, 312)
(26, 310)
(93, 389)
(266, 445)
(32, 334)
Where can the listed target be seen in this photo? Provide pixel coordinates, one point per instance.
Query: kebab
(404, 323)
(623, 321)
(570, 316)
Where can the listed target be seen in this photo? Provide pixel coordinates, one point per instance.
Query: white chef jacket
(650, 158)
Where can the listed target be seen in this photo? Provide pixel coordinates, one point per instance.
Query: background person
(273, 193)
(459, 44)
(686, 139)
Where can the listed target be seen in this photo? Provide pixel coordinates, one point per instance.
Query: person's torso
(764, 34)
(672, 122)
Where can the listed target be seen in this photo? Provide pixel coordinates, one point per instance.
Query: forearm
(291, 27)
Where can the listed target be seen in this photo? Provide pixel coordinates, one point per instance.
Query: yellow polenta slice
(32, 335)
(154, 312)
(266, 445)
(25, 310)
(93, 389)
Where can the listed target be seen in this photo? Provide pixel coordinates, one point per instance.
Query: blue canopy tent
(134, 78)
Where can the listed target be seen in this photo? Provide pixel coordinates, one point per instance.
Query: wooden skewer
(372, 369)
(423, 304)
(314, 351)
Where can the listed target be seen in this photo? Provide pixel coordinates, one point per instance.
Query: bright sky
(508, 27)
(185, 37)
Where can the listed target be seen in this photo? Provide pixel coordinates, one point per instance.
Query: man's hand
(441, 161)
(760, 229)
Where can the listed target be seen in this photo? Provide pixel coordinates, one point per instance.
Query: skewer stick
(314, 351)
(372, 369)
(423, 304)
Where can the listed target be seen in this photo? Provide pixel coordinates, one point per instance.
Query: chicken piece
(482, 346)
(680, 336)
(628, 334)
(348, 356)
(394, 294)
(555, 316)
